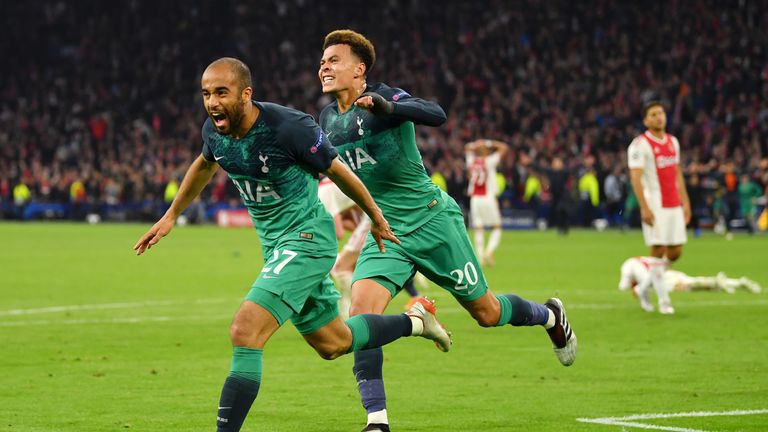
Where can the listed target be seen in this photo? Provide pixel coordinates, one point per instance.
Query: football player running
(372, 127)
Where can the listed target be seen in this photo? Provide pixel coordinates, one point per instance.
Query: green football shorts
(440, 249)
(294, 284)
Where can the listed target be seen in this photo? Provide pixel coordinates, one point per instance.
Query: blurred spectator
(589, 193)
(78, 198)
(748, 194)
(532, 191)
(698, 205)
(631, 213)
(561, 191)
(731, 189)
(171, 189)
(439, 180)
(614, 196)
(21, 197)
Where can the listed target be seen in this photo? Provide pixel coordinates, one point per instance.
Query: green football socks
(240, 389)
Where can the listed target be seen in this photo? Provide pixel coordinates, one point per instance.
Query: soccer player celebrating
(372, 127)
(273, 155)
(483, 156)
(636, 272)
(654, 163)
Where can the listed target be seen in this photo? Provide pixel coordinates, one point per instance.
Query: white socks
(658, 267)
(705, 283)
(551, 320)
(494, 240)
(378, 417)
(344, 283)
(480, 242)
(417, 326)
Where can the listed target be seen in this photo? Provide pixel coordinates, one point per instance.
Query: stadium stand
(100, 110)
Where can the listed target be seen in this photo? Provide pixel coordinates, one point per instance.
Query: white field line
(627, 420)
(102, 306)
(443, 308)
(125, 320)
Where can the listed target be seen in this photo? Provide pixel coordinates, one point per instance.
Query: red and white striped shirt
(659, 160)
(482, 174)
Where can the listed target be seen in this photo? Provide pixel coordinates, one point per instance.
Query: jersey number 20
(470, 272)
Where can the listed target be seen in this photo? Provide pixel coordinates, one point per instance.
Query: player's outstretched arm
(412, 109)
(198, 175)
(355, 189)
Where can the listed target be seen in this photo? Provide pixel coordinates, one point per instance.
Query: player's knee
(240, 333)
(486, 318)
(330, 351)
(355, 309)
(362, 308)
(658, 251)
(237, 334)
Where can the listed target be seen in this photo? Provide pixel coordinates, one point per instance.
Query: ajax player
(483, 156)
(636, 275)
(657, 180)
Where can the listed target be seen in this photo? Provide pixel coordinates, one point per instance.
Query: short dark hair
(650, 104)
(240, 69)
(361, 47)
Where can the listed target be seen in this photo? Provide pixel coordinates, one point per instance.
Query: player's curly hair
(361, 47)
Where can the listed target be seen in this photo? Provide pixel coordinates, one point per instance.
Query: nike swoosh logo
(218, 157)
(268, 277)
(225, 407)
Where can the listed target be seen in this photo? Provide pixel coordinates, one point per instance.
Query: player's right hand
(380, 231)
(647, 216)
(157, 232)
(375, 103)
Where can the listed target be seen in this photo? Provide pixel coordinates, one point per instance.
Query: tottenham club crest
(263, 160)
(360, 130)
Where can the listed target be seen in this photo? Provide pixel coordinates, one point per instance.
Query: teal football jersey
(382, 151)
(275, 166)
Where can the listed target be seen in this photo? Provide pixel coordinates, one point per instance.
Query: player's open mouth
(328, 79)
(218, 118)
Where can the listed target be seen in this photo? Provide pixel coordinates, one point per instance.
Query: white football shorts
(357, 239)
(484, 211)
(668, 227)
(333, 198)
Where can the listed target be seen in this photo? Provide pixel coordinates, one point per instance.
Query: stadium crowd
(100, 109)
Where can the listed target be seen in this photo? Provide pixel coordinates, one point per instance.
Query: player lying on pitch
(636, 275)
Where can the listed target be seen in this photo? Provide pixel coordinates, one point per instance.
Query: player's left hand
(380, 231)
(375, 103)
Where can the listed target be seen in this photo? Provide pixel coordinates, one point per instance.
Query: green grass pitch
(93, 338)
